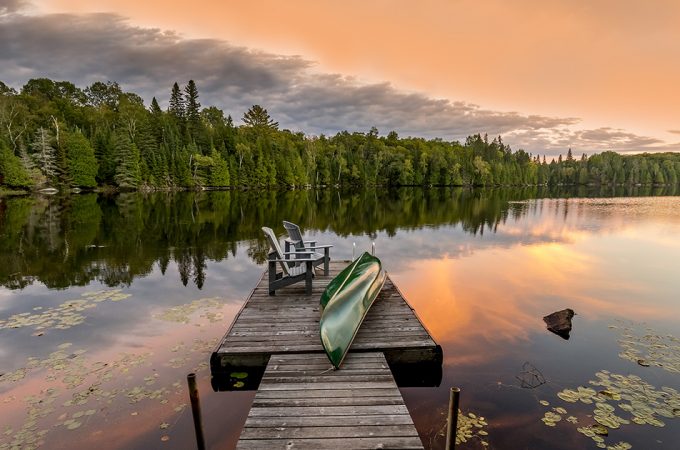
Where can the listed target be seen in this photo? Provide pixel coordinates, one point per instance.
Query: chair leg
(326, 260)
(272, 277)
(308, 277)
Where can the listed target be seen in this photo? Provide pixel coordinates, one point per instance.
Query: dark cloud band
(96, 47)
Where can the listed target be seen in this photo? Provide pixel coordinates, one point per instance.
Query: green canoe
(345, 302)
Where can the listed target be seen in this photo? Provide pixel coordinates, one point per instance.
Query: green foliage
(177, 107)
(219, 175)
(7, 90)
(258, 118)
(102, 95)
(82, 162)
(192, 109)
(128, 175)
(201, 166)
(44, 153)
(12, 172)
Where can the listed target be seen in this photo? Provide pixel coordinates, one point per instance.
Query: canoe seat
(295, 265)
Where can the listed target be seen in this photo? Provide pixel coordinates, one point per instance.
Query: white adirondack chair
(296, 241)
(295, 266)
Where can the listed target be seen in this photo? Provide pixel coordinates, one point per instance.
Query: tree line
(55, 134)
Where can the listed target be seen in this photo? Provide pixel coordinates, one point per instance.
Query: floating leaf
(64, 316)
(73, 425)
(238, 375)
(610, 395)
(644, 402)
(239, 384)
(469, 426)
(182, 313)
(568, 396)
(650, 349)
(87, 379)
(620, 446)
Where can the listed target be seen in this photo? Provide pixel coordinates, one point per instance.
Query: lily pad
(471, 426)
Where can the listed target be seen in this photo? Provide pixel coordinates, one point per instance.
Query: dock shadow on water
(107, 302)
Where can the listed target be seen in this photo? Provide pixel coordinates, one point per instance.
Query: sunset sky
(546, 75)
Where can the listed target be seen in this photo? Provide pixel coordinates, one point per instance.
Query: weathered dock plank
(289, 323)
(312, 407)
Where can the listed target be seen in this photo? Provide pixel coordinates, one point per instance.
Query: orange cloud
(608, 62)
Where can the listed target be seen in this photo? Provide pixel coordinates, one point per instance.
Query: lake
(107, 302)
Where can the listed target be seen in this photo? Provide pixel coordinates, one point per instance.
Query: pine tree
(155, 109)
(192, 108)
(156, 121)
(11, 171)
(146, 143)
(81, 160)
(63, 175)
(177, 107)
(127, 171)
(258, 118)
(104, 151)
(28, 164)
(44, 153)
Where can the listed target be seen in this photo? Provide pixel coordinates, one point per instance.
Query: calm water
(106, 303)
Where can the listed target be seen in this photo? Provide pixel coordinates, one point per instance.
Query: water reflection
(480, 267)
(75, 240)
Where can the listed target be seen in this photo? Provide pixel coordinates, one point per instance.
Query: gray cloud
(95, 47)
(9, 6)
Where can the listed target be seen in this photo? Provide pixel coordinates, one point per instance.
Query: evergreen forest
(55, 134)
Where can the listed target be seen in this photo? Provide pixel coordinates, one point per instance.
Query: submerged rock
(560, 322)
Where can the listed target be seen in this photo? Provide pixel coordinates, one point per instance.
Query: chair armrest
(289, 240)
(293, 260)
(298, 253)
(319, 246)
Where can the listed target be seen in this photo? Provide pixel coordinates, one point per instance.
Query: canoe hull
(345, 302)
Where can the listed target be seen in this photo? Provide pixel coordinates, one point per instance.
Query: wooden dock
(289, 323)
(300, 403)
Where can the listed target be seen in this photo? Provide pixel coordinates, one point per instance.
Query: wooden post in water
(452, 421)
(196, 411)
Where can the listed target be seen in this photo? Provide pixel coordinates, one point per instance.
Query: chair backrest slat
(294, 234)
(274, 244)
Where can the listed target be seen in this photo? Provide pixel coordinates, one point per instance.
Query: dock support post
(452, 421)
(196, 411)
